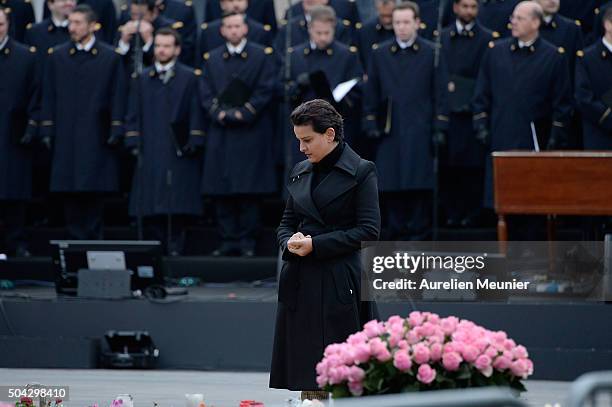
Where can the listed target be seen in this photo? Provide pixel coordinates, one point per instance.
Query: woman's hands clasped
(299, 244)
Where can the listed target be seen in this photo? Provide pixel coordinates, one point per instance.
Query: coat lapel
(340, 180)
(299, 188)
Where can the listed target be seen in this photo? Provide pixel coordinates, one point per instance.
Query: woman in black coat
(332, 207)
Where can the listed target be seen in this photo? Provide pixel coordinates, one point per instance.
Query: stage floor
(220, 389)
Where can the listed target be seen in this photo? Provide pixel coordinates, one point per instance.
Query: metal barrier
(585, 388)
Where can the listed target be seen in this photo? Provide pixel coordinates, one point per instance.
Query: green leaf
(340, 391)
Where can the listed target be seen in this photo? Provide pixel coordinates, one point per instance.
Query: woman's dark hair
(321, 115)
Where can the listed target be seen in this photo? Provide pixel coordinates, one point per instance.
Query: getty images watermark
(473, 271)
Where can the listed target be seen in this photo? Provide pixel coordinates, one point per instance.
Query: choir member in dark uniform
(262, 11)
(299, 28)
(210, 33)
(21, 14)
(53, 30)
(147, 14)
(495, 15)
(183, 17)
(237, 87)
(463, 44)
(167, 117)
(337, 62)
(376, 30)
(18, 128)
(346, 10)
(523, 95)
(331, 209)
(584, 12)
(82, 120)
(405, 109)
(429, 10)
(598, 30)
(107, 18)
(593, 90)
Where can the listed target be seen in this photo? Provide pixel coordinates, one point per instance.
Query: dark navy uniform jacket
(406, 80)
(183, 19)
(299, 33)
(210, 35)
(83, 105)
(339, 63)
(463, 53)
(43, 36)
(164, 111)
(517, 87)
(495, 15)
(259, 10)
(239, 155)
(21, 14)
(371, 33)
(583, 11)
(593, 80)
(566, 34)
(429, 10)
(107, 18)
(598, 30)
(19, 99)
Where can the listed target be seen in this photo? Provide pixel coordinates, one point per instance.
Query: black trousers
(84, 214)
(407, 215)
(461, 192)
(157, 228)
(13, 215)
(238, 221)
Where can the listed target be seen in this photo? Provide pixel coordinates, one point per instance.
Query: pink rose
(451, 361)
(435, 352)
(491, 352)
(394, 319)
(449, 324)
(509, 344)
(519, 368)
(361, 353)
(412, 337)
(356, 388)
(379, 350)
(501, 363)
(434, 319)
(321, 381)
(427, 329)
(356, 374)
(420, 353)
(322, 366)
(357, 338)
(469, 353)
(415, 318)
(529, 366)
(426, 374)
(403, 345)
(483, 363)
(520, 352)
(333, 349)
(373, 329)
(396, 334)
(402, 361)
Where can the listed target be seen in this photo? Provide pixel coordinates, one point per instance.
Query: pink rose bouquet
(422, 352)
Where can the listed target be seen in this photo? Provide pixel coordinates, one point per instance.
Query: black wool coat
(319, 294)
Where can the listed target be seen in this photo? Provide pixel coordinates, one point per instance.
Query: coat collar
(334, 185)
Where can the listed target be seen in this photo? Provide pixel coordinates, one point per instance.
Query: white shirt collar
(405, 44)
(307, 17)
(164, 68)
(461, 27)
(603, 39)
(87, 47)
(548, 18)
(4, 42)
(523, 44)
(62, 24)
(238, 48)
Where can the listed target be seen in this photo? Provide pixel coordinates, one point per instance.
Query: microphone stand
(436, 158)
(137, 59)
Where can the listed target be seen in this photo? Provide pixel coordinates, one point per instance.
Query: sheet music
(534, 136)
(343, 89)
